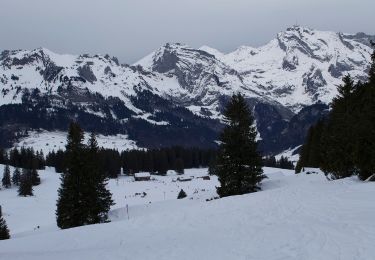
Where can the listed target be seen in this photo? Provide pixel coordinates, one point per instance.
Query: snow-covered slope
(294, 217)
(292, 154)
(53, 141)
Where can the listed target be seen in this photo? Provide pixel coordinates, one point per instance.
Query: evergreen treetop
(345, 89)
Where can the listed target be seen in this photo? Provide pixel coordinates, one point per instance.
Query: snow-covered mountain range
(300, 67)
(178, 92)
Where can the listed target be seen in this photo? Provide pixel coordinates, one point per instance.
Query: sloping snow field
(56, 140)
(294, 217)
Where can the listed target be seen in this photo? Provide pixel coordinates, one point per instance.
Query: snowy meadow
(301, 216)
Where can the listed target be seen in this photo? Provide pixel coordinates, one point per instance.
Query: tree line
(161, 160)
(24, 180)
(282, 163)
(26, 163)
(155, 161)
(24, 157)
(343, 144)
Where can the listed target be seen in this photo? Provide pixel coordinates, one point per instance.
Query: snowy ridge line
(300, 67)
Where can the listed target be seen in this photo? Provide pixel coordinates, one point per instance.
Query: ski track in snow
(293, 217)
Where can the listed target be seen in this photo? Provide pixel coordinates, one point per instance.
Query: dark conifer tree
(337, 140)
(98, 197)
(26, 187)
(16, 178)
(3, 156)
(35, 179)
(71, 211)
(238, 164)
(181, 194)
(311, 151)
(6, 177)
(4, 231)
(60, 161)
(83, 196)
(364, 148)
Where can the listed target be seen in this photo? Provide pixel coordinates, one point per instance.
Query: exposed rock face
(290, 62)
(86, 73)
(360, 37)
(313, 80)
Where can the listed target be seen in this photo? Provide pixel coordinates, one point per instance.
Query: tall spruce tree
(337, 139)
(364, 148)
(4, 231)
(238, 164)
(98, 197)
(6, 177)
(311, 150)
(71, 211)
(26, 186)
(83, 196)
(16, 178)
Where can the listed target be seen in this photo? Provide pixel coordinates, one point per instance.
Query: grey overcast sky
(130, 29)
